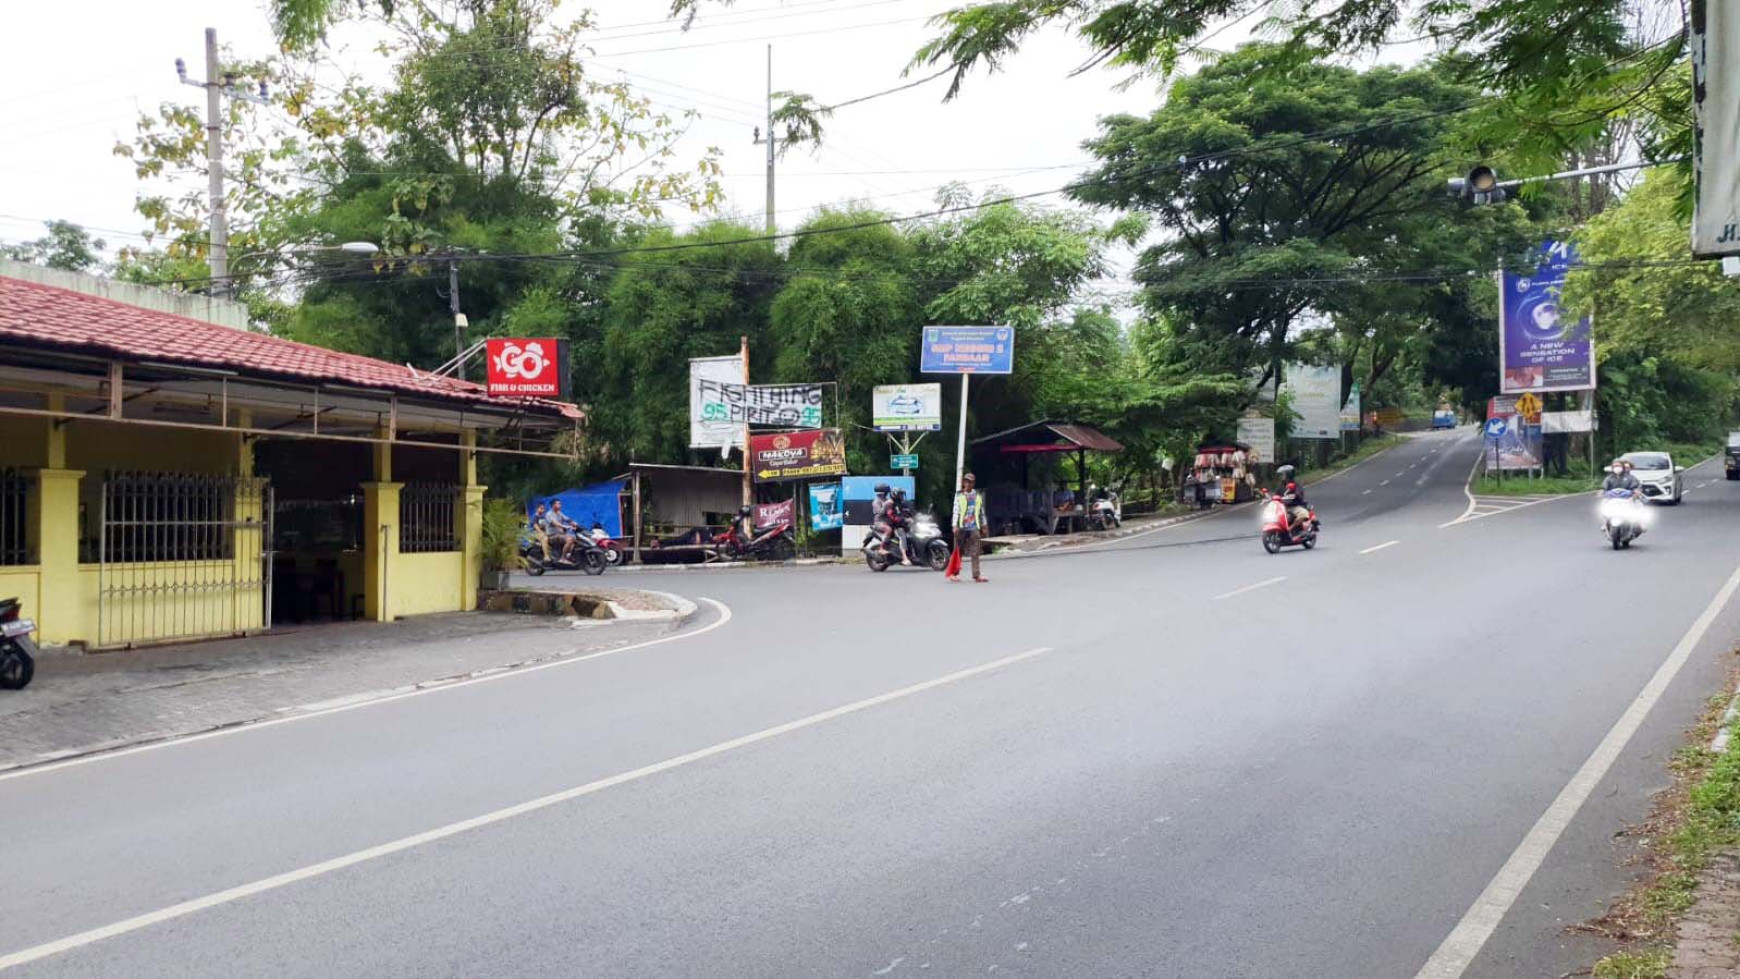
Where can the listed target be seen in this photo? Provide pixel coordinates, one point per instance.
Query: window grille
(426, 518)
(15, 489)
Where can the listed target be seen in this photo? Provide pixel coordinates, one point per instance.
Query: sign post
(966, 350)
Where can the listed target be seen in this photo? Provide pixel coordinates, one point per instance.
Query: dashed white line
(1365, 492)
(1459, 949)
(1388, 543)
(173, 911)
(1384, 483)
(1250, 588)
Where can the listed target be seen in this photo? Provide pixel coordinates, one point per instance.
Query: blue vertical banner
(1539, 350)
(827, 507)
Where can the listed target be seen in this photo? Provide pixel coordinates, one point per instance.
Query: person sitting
(542, 530)
(565, 528)
(896, 518)
(1063, 499)
(1293, 497)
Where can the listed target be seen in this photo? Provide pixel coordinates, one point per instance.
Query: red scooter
(1278, 527)
(776, 543)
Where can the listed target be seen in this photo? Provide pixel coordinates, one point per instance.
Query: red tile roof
(49, 316)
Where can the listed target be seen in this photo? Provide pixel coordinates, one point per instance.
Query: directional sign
(1495, 428)
(903, 460)
(967, 350)
(1527, 405)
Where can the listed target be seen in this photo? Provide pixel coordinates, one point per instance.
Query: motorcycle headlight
(1615, 508)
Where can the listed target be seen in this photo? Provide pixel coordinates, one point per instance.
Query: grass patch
(1694, 819)
(1519, 485)
(1370, 447)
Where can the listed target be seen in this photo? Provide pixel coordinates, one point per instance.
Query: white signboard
(1316, 399)
(710, 423)
(1259, 434)
(1350, 411)
(906, 407)
(1716, 122)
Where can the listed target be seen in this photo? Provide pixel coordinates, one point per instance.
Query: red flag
(954, 568)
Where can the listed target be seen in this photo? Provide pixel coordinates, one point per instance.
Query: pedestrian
(969, 522)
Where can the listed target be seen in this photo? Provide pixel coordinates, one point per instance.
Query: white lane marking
(173, 911)
(1390, 543)
(1384, 483)
(1470, 515)
(1398, 475)
(1464, 943)
(1247, 588)
(724, 617)
(1365, 492)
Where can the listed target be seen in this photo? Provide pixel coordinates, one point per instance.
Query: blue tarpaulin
(600, 502)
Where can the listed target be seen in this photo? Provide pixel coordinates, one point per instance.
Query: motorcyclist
(879, 514)
(566, 528)
(897, 523)
(746, 523)
(1619, 477)
(1293, 498)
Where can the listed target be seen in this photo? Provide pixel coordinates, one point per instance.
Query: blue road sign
(968, 350)
(1495, 428)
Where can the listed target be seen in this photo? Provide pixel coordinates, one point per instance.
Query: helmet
(744, 511)
(899, 494)
(1285, 472)
(882, 489)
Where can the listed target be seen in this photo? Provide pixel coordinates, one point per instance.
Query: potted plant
(503, 524)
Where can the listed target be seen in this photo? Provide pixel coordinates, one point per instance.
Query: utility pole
(769, 141)
(748, 460)
(459, 321)
(217, 84)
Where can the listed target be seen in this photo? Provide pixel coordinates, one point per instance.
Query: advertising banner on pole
(797, 455)
(906, 407)
(1316, 399)
(857, 495)
(1538, 351)
(525, 368)
(1259, 434)
(1716, 127)
(827, 509)
(710, 424)
(1350, 411)
(1513, 432)
(775, 514)
(967, 350)
(767, 405)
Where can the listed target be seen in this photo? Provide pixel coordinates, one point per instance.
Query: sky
(1019, 130)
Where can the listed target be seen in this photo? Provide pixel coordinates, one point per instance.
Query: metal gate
(182, 557)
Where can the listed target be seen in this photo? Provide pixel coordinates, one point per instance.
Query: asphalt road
(1174, 755)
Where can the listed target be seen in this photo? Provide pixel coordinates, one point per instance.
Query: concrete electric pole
(217, 85)
(769, 142)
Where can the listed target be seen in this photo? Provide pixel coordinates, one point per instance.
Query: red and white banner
(524, 368)
(773, 514)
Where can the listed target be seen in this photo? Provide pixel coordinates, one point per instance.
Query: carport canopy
(1050, 436)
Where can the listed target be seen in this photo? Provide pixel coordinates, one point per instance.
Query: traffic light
(1479, 187)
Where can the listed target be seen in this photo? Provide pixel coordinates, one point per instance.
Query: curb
(802, 562)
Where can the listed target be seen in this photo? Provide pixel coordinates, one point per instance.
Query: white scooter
(1623, 518)
(1106, 512)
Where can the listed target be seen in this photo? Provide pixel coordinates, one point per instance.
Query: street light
(1479, 187)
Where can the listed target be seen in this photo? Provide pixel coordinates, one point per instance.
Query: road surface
(1173, 755)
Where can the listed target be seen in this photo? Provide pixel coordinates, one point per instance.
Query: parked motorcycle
(1278, 527)
(17, 651)
(1106, 512)
(925, 546)
(776, 543)
(587, 556)
(1623, 518)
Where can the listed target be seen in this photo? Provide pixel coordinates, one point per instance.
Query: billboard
(856, 496)
(1513, 432)
(767, 405)
(781, 514)
(967, 350)
(710, 425)
(797, 455)
(906, 407)
(1259, 434)
(1716, 127)
(1350, 411)
(827, 509)
(517, 368)
(1316, 399)
(1536, 350)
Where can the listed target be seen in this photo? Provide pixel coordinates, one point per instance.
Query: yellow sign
(1528, 406)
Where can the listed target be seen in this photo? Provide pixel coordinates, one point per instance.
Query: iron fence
(427, 518)
(15, 488)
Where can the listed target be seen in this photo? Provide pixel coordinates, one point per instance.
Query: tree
(66, 246)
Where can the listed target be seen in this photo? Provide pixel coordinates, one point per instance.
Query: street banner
(1259, 434)
(1316, 399)
(1567, 422)
(768, 515)
(1536, 350)
(967, 350)
(1716, 127)
(906, 407)
(1350, 411)
(516, 368)
(827, 509)
(711, 427)
(797, 455)
(767, 405)
(1513, 432)
(857, 493)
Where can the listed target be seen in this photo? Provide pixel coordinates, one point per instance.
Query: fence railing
(167, 517)
(15, 489)
(427, 513)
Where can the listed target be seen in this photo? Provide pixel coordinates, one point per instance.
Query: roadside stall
(1004, 465)
(1222, 472)
(675, 512)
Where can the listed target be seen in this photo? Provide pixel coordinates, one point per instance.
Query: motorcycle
(924, 546)
(1623, 518)
(587, 556)
(1278, 527)
(615, 554)
(1106, 512)
(17, 651)
(776, 543)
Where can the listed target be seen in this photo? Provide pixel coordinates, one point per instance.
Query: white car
(1658, 474)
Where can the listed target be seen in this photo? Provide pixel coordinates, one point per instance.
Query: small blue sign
(968, 350)
(1495, 428)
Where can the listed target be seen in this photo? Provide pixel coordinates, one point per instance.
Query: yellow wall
(420, 583)
(210, 601)
(97, 446)
(24, 583)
